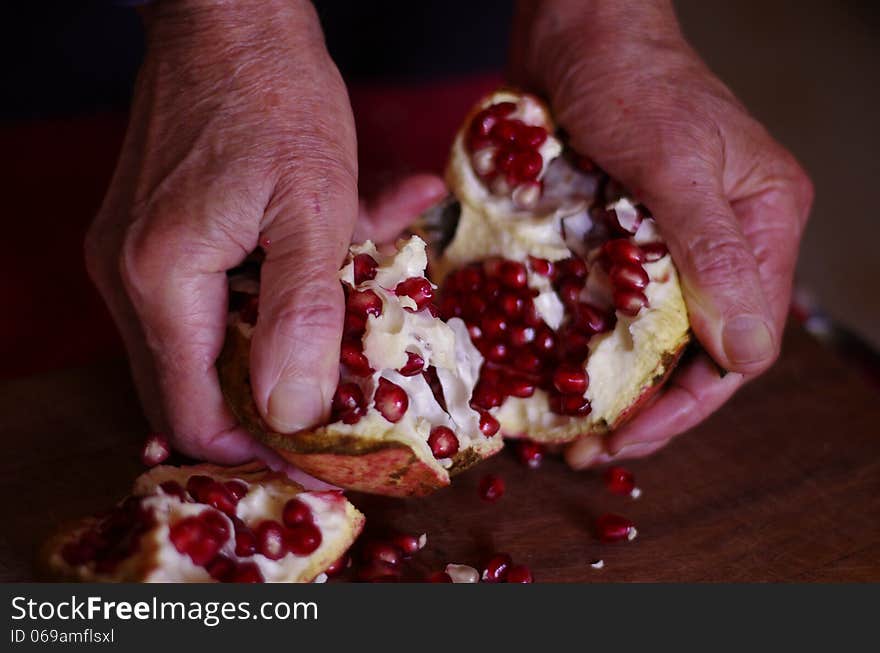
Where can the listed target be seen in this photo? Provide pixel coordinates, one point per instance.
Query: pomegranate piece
(415, 364)
(443, 442)
(352, 356)
(614, 528)
(520, 574)
(530, 454)
(302, 539)
(497, 568)
(156, 450)
(488, 425)
(364, 302)
(296, 512)
(364, 268)
(629, 302)
(571, 379)
(418, 289)
(619, 480)
(270, 539)
(391, 400)
(379, 551)
(491, 488)
(439, 577)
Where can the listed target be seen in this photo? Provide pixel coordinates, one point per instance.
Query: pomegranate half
(208, 524)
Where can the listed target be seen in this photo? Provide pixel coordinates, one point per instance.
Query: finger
(295, 348)
(174, 277)
(590, 453)
(382, 218)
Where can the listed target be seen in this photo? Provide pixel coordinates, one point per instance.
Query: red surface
(54, 176)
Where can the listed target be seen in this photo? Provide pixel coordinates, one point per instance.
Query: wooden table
(783, 484)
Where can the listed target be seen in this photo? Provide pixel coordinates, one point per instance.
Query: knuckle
(719, 259)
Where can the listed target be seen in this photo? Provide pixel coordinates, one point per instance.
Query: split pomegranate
(167, 533)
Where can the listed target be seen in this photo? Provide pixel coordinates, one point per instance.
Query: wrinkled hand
(241, 133)
(730, 201)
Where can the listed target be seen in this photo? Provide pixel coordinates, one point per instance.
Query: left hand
(731, 202)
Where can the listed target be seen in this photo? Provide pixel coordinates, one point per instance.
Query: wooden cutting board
(783, 484)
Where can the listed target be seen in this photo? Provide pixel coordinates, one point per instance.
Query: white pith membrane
(400, 329)
(558, 225)
(148, 554)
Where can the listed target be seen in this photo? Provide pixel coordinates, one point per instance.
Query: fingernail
(747, 339)
(584, 452)
(294, 405)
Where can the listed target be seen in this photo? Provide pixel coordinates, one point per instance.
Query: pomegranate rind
(371, 460)
(145, 564)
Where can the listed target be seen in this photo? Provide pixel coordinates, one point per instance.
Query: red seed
(218, 496)
(491, 488)
(532, 136)
(502, 109)
(443, 442)
(364, 268)
(628, 276)
(497, 352)
(570, 291)
(486, 395)
(511, 304)
(574, 405)
(493, 325)
(391, 400)
(542, 266)
(156, 450)
(238, 489)
(270, 540)
(570, 378)
(527, 165)
(245, 541)
(520, 574)
(629, 302)
(483, 122)
(590, 319)
(488, 425)
(302, 539)
(378, 551)
(574, 268)
(513, 274)
(338, 566)
(529, 453)
(408, 544)
(247, 572)
(545, 341)
(364, 302)
(614, 528)
(619, 480)
(621, 250)
(354, 325)
(439, 577)
(190, 536)
(526, 361)
(504, 131)
(415, 364)
(521, 334)
(197, 484)
(295, 513)
(221, 568)
(353, 357)
(378, 572)
(519, 387)
(654, 251)
(174, 489)
(348, 403)
(497, 568)
(416, 288)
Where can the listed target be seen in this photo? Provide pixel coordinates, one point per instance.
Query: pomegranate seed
(348, 402)
(486, 395)
(439, 577)
(497, 568)
(570, 291)
(654, 251)
(619, 480)
(629, 302)
(302, 539)
(521, 335)
(364, 268)
(614, 528)
(410, 544)
(417, 289)
(237, 489)
(443, 442)
(245, 541)
(519, 387)
(377, 551)
(378, 572)
(591, 319)
(494, 325)
(542, 266)
(475, 332)
(354, 359)
(391, 400)
(491, 488)
(497, 352)
(513, 274)
(156, 450)
(462, 573)
(526, 361)
(483, 123)
(511, 304)
(531, 317)
(218, 496)
(415, 364)
(483, 161)
(190, 536)
(570, 378)
(354, 325)
(221, 568)
(247, 572)
(529, 453)
(629, 276)
(197, 484)
(474, 306)
(338, 566)
(488, 425)
(519, 574)
(174, 489)
(545, 341)
(526, 166)
(533, 136)
(574, 405)
(504, 131)
(296, 512)
(216, 524)
(621, 250)
(364, 302)
(574, 268)
(270, 540)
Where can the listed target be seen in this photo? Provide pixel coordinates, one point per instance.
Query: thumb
(295, 348)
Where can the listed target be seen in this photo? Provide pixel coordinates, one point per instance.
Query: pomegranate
(551, 311)
(169, 530)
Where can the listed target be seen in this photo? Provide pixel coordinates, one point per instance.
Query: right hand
(241, 133)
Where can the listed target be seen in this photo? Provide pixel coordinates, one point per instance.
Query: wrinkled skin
(730, 201)
(241, 133)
